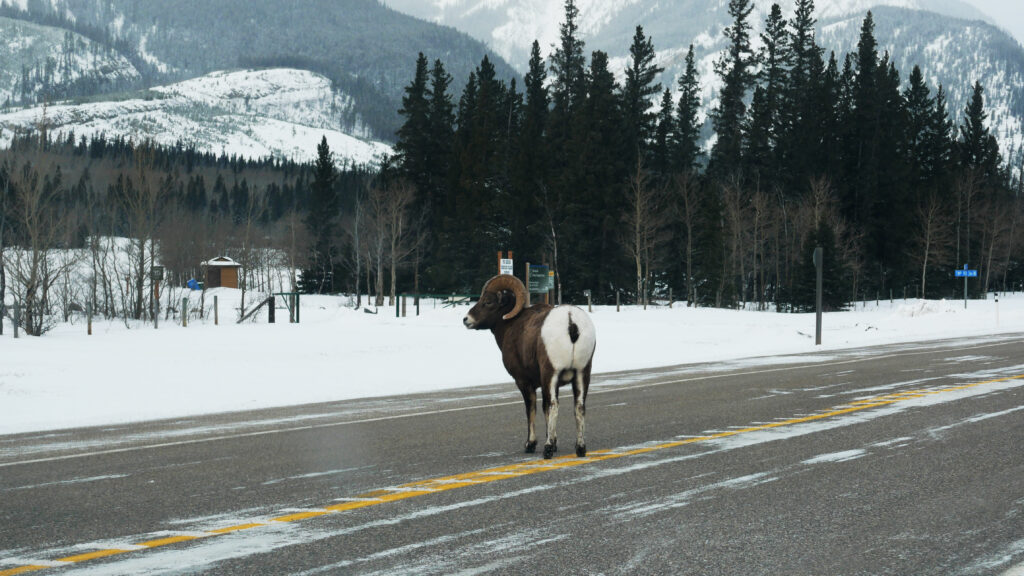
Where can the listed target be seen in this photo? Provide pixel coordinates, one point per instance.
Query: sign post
(527, 283)
(965, 273)
(156, 274)
(818, 254)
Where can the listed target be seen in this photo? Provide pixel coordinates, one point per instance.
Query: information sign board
(541, 279)
(506, 266)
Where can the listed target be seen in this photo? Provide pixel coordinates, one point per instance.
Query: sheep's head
(503, 297)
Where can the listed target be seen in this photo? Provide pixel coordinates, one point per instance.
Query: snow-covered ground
(120, 374)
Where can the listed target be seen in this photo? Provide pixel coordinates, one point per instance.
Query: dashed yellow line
(467, 479)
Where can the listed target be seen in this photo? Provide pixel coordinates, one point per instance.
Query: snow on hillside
(252, 113)
(132, 373)
(55, 58)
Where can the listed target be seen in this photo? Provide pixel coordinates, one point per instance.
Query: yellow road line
(463, 480)
(22, 570)
(236, 528)
(166, 541)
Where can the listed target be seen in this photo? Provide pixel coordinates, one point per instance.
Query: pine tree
(530, 173)
(775, 59)
(892, 205)
(568, 87)
(919, 111)
(757, 139)
(596, 177)
(827, 159)
(861, 152)
(735, 69)
(939, 140)
(321, 220)
(637, 92)
(440, 137)
(661, 149)
(685, 138)
(535, 114)
(413, 144)
(568, 98)
(978, 149)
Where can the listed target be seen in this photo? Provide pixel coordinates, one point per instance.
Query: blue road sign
(966, 273)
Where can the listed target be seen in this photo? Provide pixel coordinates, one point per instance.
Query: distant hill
(279, 113)
(365, 49)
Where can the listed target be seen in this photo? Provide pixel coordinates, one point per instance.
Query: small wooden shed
(221, 272)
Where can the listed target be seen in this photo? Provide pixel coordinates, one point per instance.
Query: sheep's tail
(574, 331)
(574, 335)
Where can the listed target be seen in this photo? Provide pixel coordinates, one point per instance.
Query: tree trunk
(924, 265)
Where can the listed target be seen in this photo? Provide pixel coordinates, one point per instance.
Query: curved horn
(508, 282)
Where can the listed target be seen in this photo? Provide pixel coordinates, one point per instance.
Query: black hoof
(581, 450)
(549, 451)
(531, 447)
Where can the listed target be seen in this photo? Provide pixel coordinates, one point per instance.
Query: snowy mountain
(365, 49)
(43, 62)
(252, 113)
(954, 43)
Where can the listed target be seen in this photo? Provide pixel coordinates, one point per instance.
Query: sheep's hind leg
(579, 401)
(530, 399)
(550, 392)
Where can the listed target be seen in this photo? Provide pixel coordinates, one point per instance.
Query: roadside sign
(541, 279)
(966, 273)
(506, 266)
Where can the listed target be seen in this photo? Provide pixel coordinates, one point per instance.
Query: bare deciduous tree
(141, 201)
(686, 193)
(931, 239)
(36, 261)
(647, 227)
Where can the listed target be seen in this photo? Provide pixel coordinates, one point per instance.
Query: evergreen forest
(608, 179)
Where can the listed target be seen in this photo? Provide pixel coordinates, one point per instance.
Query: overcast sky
(1008, 14)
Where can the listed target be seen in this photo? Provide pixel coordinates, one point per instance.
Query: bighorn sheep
(542, 347)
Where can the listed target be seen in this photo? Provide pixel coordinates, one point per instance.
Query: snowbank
(131, 373)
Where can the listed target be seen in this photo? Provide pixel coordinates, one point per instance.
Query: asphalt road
(892, 460)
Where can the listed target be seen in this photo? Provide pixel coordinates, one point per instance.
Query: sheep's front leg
(530, 400)
(550, 393)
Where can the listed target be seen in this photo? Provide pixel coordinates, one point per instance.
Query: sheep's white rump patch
(562, 351)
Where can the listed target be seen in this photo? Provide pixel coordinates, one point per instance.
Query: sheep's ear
(505, 298)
